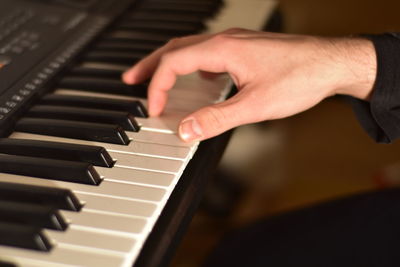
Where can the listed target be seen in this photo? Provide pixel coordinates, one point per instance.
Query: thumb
(210, 121)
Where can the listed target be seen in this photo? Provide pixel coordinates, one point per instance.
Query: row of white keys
(114, 219)
(113, 210)
(63, 256)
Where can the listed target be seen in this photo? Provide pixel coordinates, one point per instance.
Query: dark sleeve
(381, 116)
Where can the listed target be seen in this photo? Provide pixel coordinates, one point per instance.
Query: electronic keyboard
(87, 178)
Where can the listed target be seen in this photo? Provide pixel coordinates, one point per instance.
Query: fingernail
(190, 130)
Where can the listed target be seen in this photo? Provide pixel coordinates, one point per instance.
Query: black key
(23, 236)
(128, 58)
(132, 106)
(191, 9)
(30, 214)
(95, 155)
(141, 36)
(114, 45)
(6, 263)
(164, 15)
(168, 27)
(53, 169)
(191, 2)
(96, 72)
(103, 86)
(124, 119)
(106, 133)
(210, 3)
(41, 195)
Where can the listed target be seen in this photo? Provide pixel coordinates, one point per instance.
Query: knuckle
(233, 30)
(224, 41)
(174, 42)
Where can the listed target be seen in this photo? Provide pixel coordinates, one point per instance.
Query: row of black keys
(63, 161)
(150, 25)
(26, 210)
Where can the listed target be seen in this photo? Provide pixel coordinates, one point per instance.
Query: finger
(143, 70)
(205, 56)
(213, 120)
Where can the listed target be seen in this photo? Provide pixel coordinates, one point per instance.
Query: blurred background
(318, 155)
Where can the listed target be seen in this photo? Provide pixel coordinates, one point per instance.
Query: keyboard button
(109, 222)
(119, 57)
(147, 163)
(165, 15)
(106, 133)
(95, 155)
(23, 236)
(162, 26)
(106, 66)
(95, 72)
(7, 264)
(113, 45)
(135, 107)
(103, 86)
(41, 195)
(123, 119)
(96, 240)
(140, 36)
(70, 171)
(195, 10)
(111, 204)
(64, 256)
(33, 215)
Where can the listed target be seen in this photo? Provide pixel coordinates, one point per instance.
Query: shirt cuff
(381, 116)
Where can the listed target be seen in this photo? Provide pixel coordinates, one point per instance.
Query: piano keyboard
(85, 173)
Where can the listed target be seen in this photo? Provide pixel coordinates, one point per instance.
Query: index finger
(207, 55)
(145, 68)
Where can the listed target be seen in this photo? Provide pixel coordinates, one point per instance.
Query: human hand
(277, 75)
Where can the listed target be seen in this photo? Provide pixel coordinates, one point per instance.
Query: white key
(137, 176)
(112, 189)
(110, 222)
(159, 138)
(168, 122)
(185, 95)
(68, 255)
(116, 205)
(146, 163)
(92, 239)
(28, 263)
(134, 147)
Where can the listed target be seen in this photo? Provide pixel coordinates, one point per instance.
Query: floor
(318, 155)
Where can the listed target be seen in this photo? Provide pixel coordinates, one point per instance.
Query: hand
(277, 75)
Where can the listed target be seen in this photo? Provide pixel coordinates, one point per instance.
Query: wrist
(356, 60)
